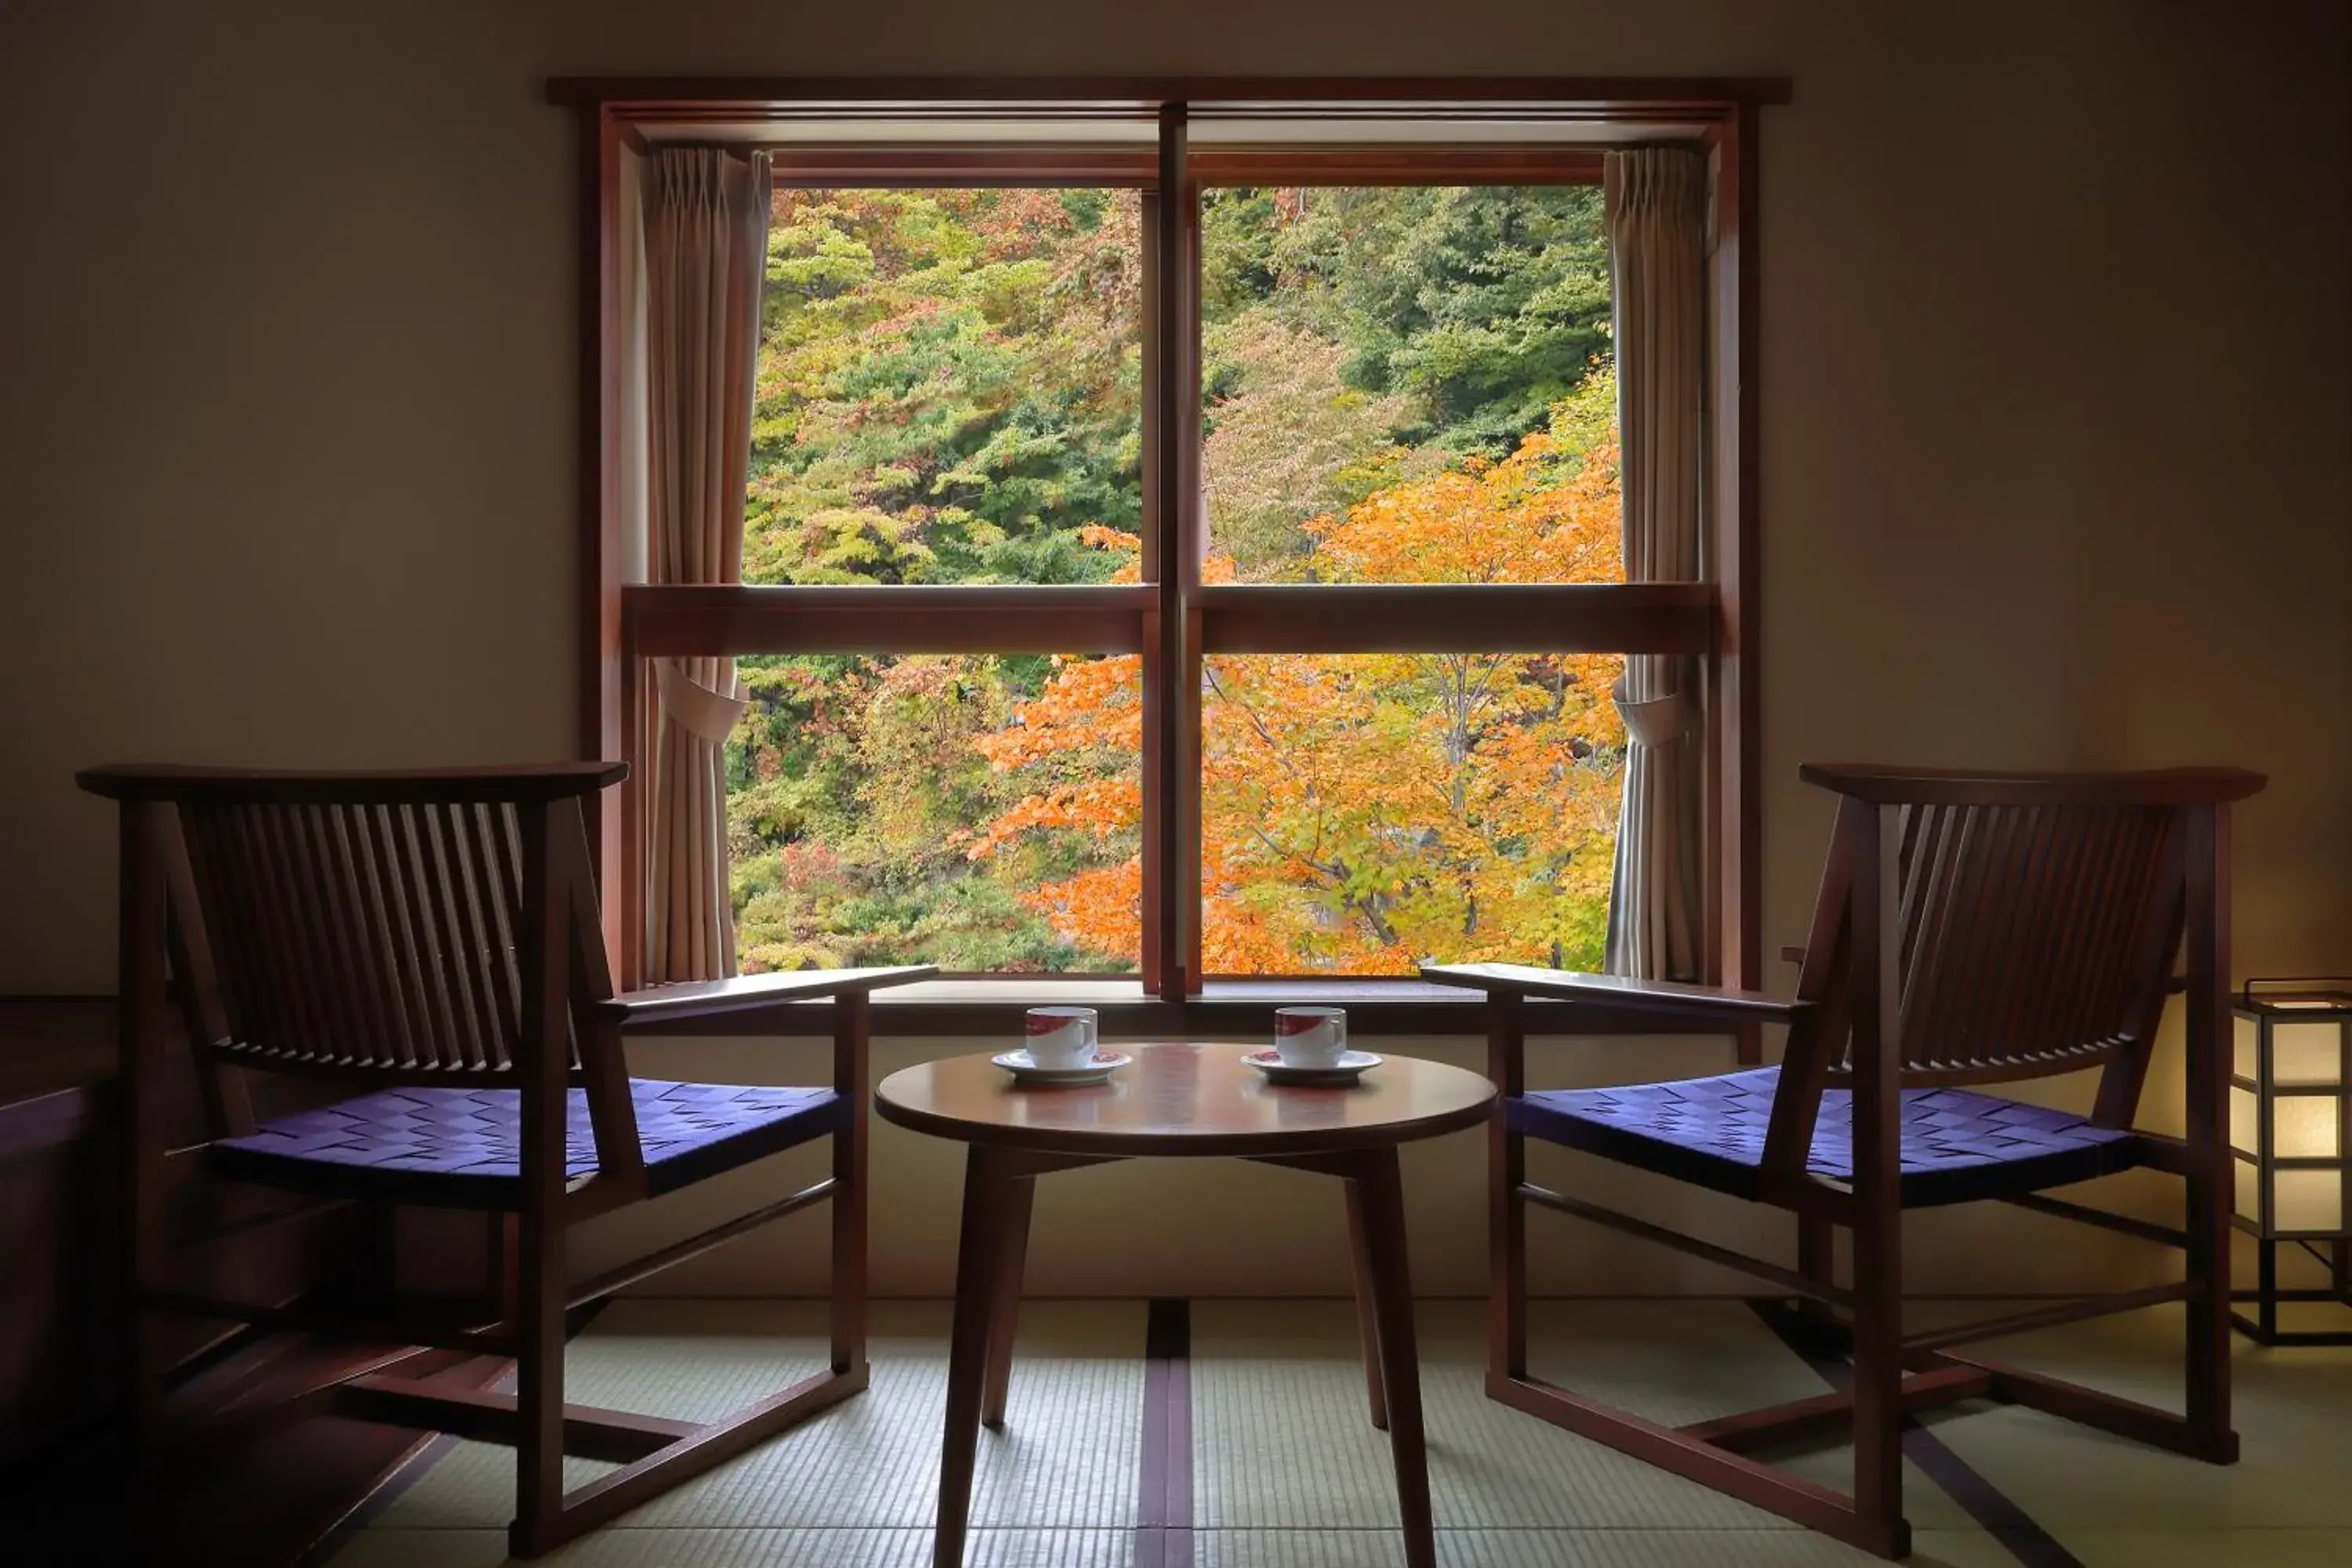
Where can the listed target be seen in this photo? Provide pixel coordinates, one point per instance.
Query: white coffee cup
(1310, 1036)
(1060, 1037)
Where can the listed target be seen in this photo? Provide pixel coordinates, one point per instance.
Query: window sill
(985, 1006)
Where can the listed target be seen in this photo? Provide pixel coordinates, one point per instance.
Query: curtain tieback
(1651, 720)
(706, 714)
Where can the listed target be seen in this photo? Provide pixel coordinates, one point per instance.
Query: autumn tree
(1397, 388)
(1361, 812)
(948, 390)
(1287, 440)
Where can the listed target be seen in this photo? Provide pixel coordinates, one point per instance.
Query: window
(950, 386)
(1360, 811)
(1406, 385)
(1185, 547)
(979, 811)
(950, 393)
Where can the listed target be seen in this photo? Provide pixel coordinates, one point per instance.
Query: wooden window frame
(1171, 619)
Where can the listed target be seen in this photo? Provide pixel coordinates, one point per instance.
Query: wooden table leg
(1367, 1322)
(1004, 1299)
(1380, 1195)
(987, 1201)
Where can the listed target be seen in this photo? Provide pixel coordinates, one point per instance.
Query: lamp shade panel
(2308, 1200)
(2307, 1126)
(2307, 1053)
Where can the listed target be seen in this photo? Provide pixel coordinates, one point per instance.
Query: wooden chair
(1971, 929)
(429, 943)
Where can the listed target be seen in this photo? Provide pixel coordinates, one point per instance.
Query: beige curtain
(1657, 200)
(706, 232)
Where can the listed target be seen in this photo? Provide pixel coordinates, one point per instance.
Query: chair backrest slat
(348, 996)
(285, 973)
(2018, 926)
(412, 887)
(1940, 877)
(497, 890)
(383, 939)
(238, 939)
(2036, 915)
(367, 926)
(463, 941)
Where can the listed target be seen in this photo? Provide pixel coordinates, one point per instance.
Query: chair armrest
(701, 998)
(1698, 1005)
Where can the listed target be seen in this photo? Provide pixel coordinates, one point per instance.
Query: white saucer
(1024, 1071)
(1346, 1069)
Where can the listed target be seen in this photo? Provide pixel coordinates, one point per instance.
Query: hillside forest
(1398, 386)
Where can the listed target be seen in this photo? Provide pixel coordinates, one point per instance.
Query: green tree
(1483, 304)
(949, 387)
(949, 391)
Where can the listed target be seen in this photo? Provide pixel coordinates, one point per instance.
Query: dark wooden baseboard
(55, 1295)
(270, 1505)
(60, 1305)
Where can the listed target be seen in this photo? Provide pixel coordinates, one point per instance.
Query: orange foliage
(1363, 812)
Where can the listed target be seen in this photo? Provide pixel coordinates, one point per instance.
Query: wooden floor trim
(1163, 1511)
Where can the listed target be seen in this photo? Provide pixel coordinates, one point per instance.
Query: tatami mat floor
(1286, 1471)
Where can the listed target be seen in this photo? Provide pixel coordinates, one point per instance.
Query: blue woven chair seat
(463, 1146)
(1957, 1145)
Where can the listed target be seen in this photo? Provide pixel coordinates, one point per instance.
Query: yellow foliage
(1363, 812)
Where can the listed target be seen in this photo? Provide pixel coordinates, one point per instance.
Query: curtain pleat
(1657, 205)
(706, 249)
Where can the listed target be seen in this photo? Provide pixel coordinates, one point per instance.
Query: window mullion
(1172, 701)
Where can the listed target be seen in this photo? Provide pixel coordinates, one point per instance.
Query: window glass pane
(1408, 384)
(978, 812)
(1363, 812)
(950, 386)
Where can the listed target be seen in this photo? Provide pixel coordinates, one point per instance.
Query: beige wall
(2055, 418)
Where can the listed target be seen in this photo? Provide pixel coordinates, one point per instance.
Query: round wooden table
(1181, 1099)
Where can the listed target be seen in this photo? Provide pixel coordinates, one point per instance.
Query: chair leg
(1506, 1242)
(141, 1388)
(380, 1252)
(538, 1525)
(501, 1259)
(1367, 1319)
(147, 1468)
(1817, 1261)
(851, 1016)
(1506, 1211)
(1878, 1381)
(2210, 1437)
(2206, 1039)
(1004, 1300)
